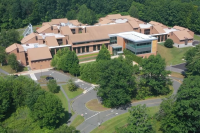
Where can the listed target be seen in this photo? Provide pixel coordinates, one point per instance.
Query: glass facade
(138, 48)
(115, 50)
(113, 40)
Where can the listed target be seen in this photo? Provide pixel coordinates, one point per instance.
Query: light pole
(41, 69)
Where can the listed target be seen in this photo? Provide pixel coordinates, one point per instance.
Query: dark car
(15, 76)
(49, 78)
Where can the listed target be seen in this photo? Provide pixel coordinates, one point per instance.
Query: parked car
(49, 78)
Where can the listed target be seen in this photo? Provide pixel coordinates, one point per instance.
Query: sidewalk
(33, 71)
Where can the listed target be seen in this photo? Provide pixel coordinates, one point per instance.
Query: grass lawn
(60, 96)
(88, 55)
(95, 105)
(89, 58)
(196, 37)
(8, 69)
(172, 55)
(177, 75)
(72, 94)
(120, 121)
(77, 121)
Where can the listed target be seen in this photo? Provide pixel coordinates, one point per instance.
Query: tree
(66, 129)
(133, 11)
(48, 110)
(12, 61)
(186, 112)
(192, 58)
(2, 55)
(52, 86)
(139, 121)
(154, 75)
(116, 82)
(86, 15)
(169, 43)
(104, 54)
(9, 37)
(71, 85)
(5, 97)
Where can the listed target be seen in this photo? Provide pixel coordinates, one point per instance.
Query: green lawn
(77, 121)
(87, 59)
(196, 37)
(8, 69)
(121, 120)
(88, 55)
(72, 94)
(172, 56)
(60, 96)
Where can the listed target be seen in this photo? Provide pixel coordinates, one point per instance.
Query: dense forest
(19, 13)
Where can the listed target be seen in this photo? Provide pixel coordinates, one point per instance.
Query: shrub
(71, 85)
(52, 86)
(169, 43)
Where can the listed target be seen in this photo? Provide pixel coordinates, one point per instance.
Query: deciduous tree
(116, 81)
(2, 55)
(12, 61)
(139, 121)
(48, 110)
(154, 75)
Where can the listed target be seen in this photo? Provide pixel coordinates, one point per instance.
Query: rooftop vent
(43, 33)
(27, 45)
(169, 28)
(145, 23)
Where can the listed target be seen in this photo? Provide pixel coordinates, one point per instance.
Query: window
(162, 38)
(147, 31)
(165, 37)
(143, 52)
(135, 28)
(60, 41)
(80, 30)
(98, 47)
(87, 48)
(74, 49)
(79, 51)
(113, 40)
(140, 30)
(83, 49)
(94, 47)
(73, 31)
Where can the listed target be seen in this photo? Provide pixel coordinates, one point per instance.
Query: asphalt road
(92, 118)
(180, 68)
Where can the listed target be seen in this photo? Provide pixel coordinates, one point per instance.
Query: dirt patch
(101, 127)
(95, 105)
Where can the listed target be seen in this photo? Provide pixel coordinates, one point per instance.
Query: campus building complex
(115, 31)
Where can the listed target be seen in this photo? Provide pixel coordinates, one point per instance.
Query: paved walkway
(4, 72)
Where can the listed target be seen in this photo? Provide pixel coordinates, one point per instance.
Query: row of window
(90, 41)
(143, 44)
(81, 49)
(143, 52)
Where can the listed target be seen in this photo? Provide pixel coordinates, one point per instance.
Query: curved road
(92, 118)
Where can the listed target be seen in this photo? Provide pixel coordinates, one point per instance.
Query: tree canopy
(183, 115)
(139, 121)
(154, 75)
(104, 54)
(116, 81)
(12, 61)
(52, 86)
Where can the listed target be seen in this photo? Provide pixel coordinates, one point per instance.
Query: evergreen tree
(52, 86)
(2, 55)
(104, 54)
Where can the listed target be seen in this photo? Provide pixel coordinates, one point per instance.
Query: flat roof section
(145, 25)
(134, 36)
(168, 30)
(32, 45)
(115, 46)
(52, 34)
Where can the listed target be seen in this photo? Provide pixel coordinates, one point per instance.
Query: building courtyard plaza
(115, 31)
